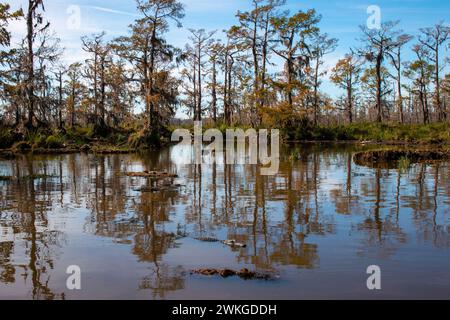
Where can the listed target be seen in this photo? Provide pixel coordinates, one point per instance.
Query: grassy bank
(66, 140)
(374, 132)
(436, 133)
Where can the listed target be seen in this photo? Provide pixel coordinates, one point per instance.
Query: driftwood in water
(243, 273)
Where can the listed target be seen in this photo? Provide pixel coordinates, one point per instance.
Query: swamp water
(317, 225)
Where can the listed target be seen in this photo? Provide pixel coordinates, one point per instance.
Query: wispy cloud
(114, 11)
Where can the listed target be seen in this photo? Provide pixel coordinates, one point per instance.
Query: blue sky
(340, 19)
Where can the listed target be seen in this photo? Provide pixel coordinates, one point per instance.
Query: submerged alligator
(231, 243)
(152, 174)
(243, 273)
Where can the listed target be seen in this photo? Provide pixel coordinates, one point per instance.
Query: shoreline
(108, 149)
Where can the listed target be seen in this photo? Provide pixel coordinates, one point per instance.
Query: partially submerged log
(244, 273)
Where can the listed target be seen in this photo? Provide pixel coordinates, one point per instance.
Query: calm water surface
(318, 224)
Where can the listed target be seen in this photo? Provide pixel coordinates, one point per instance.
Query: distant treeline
(229, 81)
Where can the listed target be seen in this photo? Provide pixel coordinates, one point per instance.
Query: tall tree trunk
(199, 79)
(423, 103)
(290, 71)
(399, 87)
(102, 90)
(427, 110)
(400, 97)
(194, 79)
(214, 92)
(152, 116)
(225, 91)
(30, 63)
(256, 92)
(349, 104)
(229, 104)
(316, 92)
(72, 116)
(95, 85)
(145, 67)
(441, 111)
(264, 65)
(379, 81)
(60, 100)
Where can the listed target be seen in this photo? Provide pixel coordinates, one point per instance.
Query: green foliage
(54, 142)
(139, 140)
(38, 140)
(36, 137)
(149, 138)
(6, 138)
(79, 135)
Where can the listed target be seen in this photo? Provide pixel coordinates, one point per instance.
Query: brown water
(318, 224)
